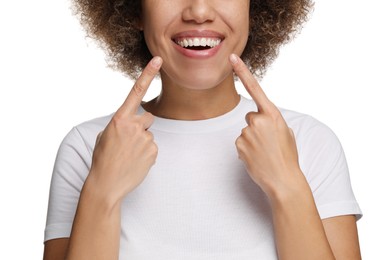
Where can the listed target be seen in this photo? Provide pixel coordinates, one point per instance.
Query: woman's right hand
(125, 151)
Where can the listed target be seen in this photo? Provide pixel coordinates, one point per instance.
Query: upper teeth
(189, 42)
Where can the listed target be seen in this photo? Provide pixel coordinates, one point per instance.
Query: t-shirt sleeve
(71, 167)
(324, 164)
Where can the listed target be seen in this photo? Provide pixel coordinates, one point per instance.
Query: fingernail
(233, 58)
(156, 61)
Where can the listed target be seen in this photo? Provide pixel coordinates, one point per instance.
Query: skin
(195, 93)
(116, 170)
(267, 146)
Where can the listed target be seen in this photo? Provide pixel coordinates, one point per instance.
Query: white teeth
(196, 42)
(193, 42)
(203, 42)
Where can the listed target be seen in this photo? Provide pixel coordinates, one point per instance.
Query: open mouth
(198, 44)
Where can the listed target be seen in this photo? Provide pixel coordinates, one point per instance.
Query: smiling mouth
(198, 43)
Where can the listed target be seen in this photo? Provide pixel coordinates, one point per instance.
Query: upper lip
(197, 33)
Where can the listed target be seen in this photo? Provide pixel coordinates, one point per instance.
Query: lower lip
(198, 54)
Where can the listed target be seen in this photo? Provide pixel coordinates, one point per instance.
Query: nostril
(199, 12)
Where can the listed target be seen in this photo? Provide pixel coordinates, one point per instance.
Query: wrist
(293, 189)
(95, 195)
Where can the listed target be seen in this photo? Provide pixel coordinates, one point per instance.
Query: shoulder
(320, 151)
(84, 134)
(308, 129)
(302, 121)
(93, 126)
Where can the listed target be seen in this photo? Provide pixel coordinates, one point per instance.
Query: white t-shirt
(198, 201)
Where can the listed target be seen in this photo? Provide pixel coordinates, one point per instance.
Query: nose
(199, 11)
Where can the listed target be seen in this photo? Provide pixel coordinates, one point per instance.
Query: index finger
(250, 84)
(134, 99)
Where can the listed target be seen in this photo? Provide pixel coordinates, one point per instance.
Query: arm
(298, 228)
(56, 249)
(343, 236)
(123, 155)
(268, 149)
(95, 231)
(96, 228)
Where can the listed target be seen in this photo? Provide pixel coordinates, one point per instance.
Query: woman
(199, 172)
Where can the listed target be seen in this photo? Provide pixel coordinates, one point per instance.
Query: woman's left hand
(267, 145)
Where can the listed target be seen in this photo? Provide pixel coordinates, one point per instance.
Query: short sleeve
(71, 168)
(323, 162)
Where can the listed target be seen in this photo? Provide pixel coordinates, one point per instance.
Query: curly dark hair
(114, 24)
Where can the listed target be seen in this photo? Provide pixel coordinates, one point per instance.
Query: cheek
(239, 22)
(155, 29)
(151, 38)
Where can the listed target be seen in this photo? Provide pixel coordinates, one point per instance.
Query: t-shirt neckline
(237, 114)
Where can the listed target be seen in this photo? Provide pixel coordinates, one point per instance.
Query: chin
(202, 82)
(201, 78)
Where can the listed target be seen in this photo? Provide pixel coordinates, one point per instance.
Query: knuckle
(137, 127)
(147, 116)
(254, 120)
(116, 117)
(248, 118)
(117, 120)
(99, 136)
(239, 142)
(139, 87)
(244, 132)
(154, 149)
(132, 126)
(252, 85)
(148, 136)
(149, 71)
(126, 124)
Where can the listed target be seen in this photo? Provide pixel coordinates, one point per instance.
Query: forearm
(96, 228)
(298, 228)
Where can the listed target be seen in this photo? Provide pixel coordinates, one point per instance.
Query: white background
(52, 78)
